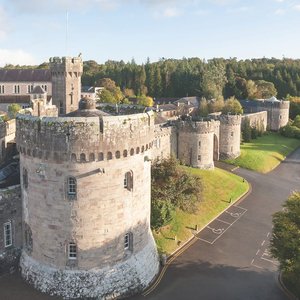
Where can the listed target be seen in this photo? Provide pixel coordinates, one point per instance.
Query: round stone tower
(230, 136)
(198, 143)
(278, 112)
(86, 203)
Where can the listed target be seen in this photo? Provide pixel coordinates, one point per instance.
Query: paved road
(230, 259)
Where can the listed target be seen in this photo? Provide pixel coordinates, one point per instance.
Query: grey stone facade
(10, 218)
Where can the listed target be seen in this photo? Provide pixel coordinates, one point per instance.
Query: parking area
(219, 226)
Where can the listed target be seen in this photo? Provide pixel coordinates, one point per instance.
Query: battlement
(200, 127)
(233, 120)
(65, 64)
(84, 139)
(280, 104)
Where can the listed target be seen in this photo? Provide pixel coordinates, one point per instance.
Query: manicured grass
(218, 187)
(265, 153)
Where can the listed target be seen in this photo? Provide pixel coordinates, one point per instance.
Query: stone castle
(81, 215)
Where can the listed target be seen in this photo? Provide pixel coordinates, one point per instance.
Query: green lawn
(218, 187)
(265, 153)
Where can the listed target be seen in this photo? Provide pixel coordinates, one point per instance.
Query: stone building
(86, 184)
(277, 111)
(82, 212)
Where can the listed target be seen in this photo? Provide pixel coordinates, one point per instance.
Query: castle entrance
(216, 148)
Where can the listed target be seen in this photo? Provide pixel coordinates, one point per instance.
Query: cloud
(15, 57)
(4, 24)
(297, 7)
(51, 6)
(279, 11)
(171, 12)
(238, 9)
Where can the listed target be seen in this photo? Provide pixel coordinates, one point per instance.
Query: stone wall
(7, 134)
(9, 87)
(10, 211)
(257, 120)
(278, 113)
(99, 154)
(165, 142)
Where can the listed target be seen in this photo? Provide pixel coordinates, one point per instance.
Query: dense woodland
(197, 77)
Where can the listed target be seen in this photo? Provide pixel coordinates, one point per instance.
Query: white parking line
(223, 221)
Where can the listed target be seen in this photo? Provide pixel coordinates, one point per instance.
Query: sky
(32, 31)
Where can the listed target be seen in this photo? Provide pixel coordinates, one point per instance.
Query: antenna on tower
(67, 32)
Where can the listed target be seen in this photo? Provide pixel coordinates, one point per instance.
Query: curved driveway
(230, 259)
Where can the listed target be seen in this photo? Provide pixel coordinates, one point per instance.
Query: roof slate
(25, 75)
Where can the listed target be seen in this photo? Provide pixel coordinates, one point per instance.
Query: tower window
(72, 251)
(128, 180)
(1, 89)
(7, 234)
(231, 133)
(25, 178)
(128, 241)
(199, 157)
(72, 187)
(199, 143)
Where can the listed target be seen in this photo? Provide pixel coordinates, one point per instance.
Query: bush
(172, 188)
(285, 241)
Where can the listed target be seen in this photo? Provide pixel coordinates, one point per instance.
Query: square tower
(66, 83)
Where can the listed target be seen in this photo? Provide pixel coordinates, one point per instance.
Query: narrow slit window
(72, 251)
(72, 186)
(7, 234)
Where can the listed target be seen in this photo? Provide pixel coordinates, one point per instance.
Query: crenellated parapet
(84, 139)
(66, 66)
(200, 127)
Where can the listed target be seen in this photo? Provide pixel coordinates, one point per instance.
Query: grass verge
(292, 283)
(265, 153)
(219, 187)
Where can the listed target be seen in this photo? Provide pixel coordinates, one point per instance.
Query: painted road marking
(263, 261)
(184, 248)
(215, 231)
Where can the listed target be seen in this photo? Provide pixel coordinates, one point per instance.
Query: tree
(285, 241)
(171, 188)
(145, 101)
(265, 89)
(246, 130)
(203, 107)
(107, 97)
(232, 106)
(13, 109)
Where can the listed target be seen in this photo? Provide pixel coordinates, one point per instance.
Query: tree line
(250, 78)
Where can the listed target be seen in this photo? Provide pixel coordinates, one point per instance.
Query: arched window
(137, 150)
(131, 151)
(128, 180)
(71, 188)
(73, 157)
(109, 155)
(82, 157)
(125, 153)
(100, 156)
(118, 154)
(143, 149)
(92, 157)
